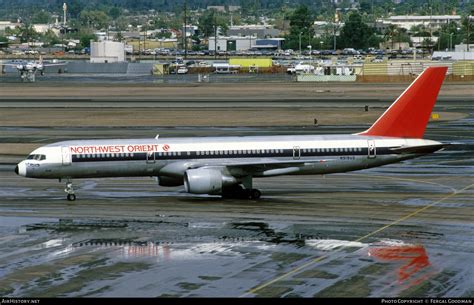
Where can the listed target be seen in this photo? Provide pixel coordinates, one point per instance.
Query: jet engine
(206, 181)
(169, 181)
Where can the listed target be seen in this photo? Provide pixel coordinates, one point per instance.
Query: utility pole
(184, 32)
(144, 37)
(468, 31)
(336, 20)
(215, 36)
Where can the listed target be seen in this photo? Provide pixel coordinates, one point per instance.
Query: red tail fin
(408, 116)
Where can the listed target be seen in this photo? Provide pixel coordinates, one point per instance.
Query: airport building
(260, 31)
(107, 51)
(231, 43)
(407, 22)
(239, 43)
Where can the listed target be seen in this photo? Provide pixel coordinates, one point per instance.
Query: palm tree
(391, 31)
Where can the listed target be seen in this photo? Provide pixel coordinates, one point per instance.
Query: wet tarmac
(398, 230)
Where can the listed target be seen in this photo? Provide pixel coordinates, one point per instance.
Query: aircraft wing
(53, 64)
(242, 168)
(10, 64)
(271, 166)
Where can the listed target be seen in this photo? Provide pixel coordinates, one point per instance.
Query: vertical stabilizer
(408, 116)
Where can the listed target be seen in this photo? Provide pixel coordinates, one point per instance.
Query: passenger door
(150, 157)
(66, 155)
(372, 152)
(296, 153)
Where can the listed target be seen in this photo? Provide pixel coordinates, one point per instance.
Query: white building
(222, 8)
(407, 22)
(232, 43)
(107, 51)
(261, 31)
(464, 47)
(7, 24)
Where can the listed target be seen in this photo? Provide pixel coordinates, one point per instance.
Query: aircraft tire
(255, 194)
(71, 197)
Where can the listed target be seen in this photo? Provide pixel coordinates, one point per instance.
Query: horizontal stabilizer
(423, 149)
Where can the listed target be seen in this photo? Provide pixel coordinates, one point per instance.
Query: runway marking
(320, 258)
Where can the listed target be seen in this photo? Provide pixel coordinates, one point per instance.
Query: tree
(355, 33)
(119, 36)
(395, 34)
(115, 12)
(94, 19)
(27, 33)
(3, 41)
(40, 17)
(207, 22)
(210, 19)
(50, 38)
(301, 28)
(85, 39)
(121, 23)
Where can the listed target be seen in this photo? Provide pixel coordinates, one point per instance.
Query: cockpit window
(36, 157)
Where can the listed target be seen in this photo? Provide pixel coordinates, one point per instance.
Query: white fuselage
(256, 156)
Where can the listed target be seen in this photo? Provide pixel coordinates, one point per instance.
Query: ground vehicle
(182, 70)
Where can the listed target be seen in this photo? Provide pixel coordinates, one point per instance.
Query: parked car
(182, 70)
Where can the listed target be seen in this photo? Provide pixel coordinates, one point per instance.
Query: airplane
(226, 166)
(28, 69)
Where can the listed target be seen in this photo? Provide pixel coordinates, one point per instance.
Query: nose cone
(20, 169)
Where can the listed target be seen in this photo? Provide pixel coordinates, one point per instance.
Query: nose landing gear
(70, 191)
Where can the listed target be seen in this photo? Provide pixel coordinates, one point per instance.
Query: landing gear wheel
(70, 191)
(255, 194)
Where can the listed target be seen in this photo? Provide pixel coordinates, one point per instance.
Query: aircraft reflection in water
(227, 165)
(413, 259)
(130, 248)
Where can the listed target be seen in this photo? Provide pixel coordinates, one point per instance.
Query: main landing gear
(239, 192)
(71, 196)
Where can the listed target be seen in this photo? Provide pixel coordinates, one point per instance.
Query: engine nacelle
(206, 181)
(169, 181)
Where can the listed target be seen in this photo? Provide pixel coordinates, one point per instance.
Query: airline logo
(115, 149)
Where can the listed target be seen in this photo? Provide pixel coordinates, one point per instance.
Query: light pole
(451, 41)
(310, 54)
(185, 38)
(300, 42)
